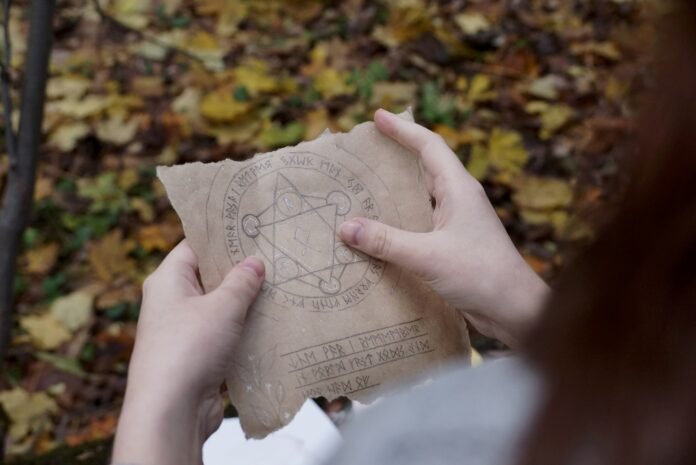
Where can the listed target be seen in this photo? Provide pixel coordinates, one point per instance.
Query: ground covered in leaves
(533, 95)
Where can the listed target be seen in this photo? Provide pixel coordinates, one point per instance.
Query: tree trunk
(19, 190)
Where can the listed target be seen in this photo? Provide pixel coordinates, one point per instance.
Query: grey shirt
(471, 416)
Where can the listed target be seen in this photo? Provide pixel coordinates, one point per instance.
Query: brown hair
(617, 345)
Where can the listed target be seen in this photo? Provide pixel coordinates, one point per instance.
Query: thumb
(238, 289)
(403, 248)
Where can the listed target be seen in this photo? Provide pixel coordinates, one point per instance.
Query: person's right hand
(468, 258)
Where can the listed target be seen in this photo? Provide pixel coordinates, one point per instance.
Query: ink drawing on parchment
(330, 321)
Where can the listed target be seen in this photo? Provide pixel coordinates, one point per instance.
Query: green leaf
(241, 94)
(277, 136)
(66, 364)
(433, 108)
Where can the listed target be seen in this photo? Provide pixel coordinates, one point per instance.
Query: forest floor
(535, 96)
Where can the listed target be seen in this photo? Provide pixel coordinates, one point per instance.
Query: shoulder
(465, 415)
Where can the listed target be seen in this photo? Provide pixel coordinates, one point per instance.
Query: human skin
(185, 338)
(468, 257)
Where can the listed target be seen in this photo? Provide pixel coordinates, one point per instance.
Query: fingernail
(351, 232)
(253, 264)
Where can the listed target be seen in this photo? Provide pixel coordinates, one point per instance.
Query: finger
(403, 248)
(177, 272)
(239, 289)
(438, 159)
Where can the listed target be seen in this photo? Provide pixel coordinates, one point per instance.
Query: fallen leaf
(547, 87)
(41, 259)
(472, 23)
(331, 83)
(109, 257)
(67, 86)
(117, 129)
(152, 238)
(28, 411)
(275, 135)
(315, 122)
(74, 310)
(45, 331)
(506, 151)
(542, 193)
(393, 96)
(66, 136)
(220, 106)
(553, 117)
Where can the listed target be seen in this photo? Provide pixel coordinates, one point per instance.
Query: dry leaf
(28, 411)
(472, 23)
(74, 310)
(66, 136)
(109, 257)
(117, 129)
(41, 259)
(45, 331)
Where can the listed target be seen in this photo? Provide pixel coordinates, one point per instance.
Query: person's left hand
(183, 350)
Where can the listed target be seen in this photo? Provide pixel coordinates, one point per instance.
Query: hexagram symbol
(297, 236)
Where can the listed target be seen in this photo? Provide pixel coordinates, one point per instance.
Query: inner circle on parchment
(289, 217)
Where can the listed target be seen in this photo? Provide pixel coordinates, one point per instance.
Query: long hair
(617, 343)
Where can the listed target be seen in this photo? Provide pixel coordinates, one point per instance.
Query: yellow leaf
(408, 19)
(41, 259)
(479, 88)
(546, 87)
(74, 310)
(67, 86)
(542, 193)
(132, 12)
(66, 136)
(254, 75)
(332, 83)
(117, 130)
(229, 17)
(394, 96)
(238, 132)
(220, 106)
(506, 151)
(45, 331)
(478, 162)
(607, 50)
(556, 218)
(151, 238)
(90, 105)
(316, 121)
(472, 23)
(148, 86)
(143, 209)
(553, 117)
(108, 257)
(27, 411)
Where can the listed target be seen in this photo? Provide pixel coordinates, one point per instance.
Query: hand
(468, 258)
(182, 353)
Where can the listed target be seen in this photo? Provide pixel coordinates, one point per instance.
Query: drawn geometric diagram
(296, 233)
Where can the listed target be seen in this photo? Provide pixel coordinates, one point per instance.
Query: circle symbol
(250, 225)
(289, 203)
(331, 287)
(288, 216)
(343, 254)
(286, 268)
(341, 201)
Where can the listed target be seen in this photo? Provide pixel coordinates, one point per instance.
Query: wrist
(157, 426)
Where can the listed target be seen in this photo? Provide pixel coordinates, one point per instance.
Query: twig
(21, 177)
(5, 82)
(145, 36)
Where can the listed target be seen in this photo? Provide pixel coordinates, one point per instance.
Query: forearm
(155, 429)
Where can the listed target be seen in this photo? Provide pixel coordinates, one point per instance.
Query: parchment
(330, 321)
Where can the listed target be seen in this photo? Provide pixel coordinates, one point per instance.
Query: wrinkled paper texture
(329, 321)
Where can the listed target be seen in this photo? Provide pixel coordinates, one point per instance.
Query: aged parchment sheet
(330, 321)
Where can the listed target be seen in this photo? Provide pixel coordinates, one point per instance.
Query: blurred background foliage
(534, 96)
